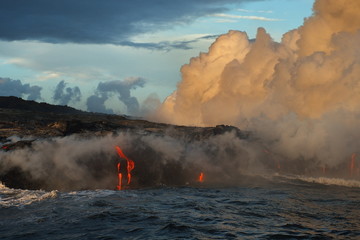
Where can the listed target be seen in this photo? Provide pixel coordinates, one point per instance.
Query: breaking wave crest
(19, 198)
(322, 180)
(332, 181)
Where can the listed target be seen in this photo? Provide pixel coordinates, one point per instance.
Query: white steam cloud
(73, 163)
(300, 96)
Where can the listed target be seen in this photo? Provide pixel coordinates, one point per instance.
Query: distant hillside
(20, 104)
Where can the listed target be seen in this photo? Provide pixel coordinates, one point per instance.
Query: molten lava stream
(118, 187)
(201, 177)
(130, 166)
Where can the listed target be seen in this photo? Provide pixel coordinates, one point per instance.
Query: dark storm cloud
(10, 87)
(100, 22)
(209, 37)
(166, 45)
(122, 89)
(63, 95)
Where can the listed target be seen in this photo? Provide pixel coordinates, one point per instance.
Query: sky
(119, 56)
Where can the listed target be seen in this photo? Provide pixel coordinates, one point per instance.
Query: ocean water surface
(278, 207)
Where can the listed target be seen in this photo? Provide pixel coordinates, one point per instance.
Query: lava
(201, 177)
(130, 165)
(118, 187)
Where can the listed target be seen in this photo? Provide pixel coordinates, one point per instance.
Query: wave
(332, 181)
(324, 180)
(10, 197)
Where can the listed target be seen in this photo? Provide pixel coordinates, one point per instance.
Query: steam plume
(301, 96)
(72, 163)
(149, 105)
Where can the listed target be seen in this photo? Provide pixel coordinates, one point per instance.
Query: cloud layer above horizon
(100, 22)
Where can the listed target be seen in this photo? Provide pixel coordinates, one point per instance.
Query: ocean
(272, 207)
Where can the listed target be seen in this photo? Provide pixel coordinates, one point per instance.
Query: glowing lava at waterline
(130, 166)
(118, 187)
(201, 177)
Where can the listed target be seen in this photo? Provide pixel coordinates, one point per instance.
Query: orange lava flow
(201, 177)
(118, 187)
(130, 166)
(352, 164)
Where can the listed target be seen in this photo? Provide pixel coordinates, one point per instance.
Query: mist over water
(75, 162)
(300, 96)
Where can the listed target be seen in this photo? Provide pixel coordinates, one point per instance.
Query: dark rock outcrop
(28, 118)
(20, 104)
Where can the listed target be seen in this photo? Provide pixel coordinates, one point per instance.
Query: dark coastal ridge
(22, 118)
(27, 105)
(25, 123)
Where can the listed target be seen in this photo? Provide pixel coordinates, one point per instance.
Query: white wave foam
(99, 193)
(331, 181)
(18, 198)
